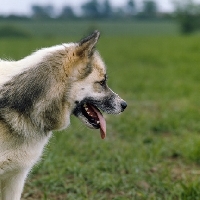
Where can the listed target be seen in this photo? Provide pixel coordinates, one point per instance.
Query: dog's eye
(102, 83)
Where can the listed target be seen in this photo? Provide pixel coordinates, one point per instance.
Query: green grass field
(50, 29)
(152, 150)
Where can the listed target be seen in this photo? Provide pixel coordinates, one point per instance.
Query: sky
(24, 7)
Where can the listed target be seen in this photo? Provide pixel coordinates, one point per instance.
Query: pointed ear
(86, 46)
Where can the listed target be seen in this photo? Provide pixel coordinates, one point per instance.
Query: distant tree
(149, 9)
(131, 7)
(106, 9)
(43, 12)
(119, 13)
(91, 9)
(67, 12)
(188, 15)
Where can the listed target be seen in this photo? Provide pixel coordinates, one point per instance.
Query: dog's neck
(35, 100)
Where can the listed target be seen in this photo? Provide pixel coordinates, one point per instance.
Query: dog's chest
(15, 156)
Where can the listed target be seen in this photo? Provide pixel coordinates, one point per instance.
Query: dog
(39, 93)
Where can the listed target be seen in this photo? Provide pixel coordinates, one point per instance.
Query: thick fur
(38, 94)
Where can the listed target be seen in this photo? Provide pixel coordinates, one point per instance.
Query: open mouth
(89, 112)
(92, 116)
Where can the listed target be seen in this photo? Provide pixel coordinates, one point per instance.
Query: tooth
(86, 109)
(98, 122)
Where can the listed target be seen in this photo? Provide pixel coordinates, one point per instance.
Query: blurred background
(152, 52)
(120, 17)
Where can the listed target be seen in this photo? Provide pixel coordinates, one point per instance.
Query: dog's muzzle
(89, 110)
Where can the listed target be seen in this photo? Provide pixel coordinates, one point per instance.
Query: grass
(65, 28)
(152, 150)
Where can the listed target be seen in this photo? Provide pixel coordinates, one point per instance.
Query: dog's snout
(123, 105)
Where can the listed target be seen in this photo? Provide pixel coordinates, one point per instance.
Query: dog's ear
(87, 45)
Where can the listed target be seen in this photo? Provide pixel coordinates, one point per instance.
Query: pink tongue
(102, 123)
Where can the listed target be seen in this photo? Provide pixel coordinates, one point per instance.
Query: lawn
(152, 150)
(50, 29)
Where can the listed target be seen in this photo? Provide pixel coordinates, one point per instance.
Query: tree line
(93, 9)
(186, 12)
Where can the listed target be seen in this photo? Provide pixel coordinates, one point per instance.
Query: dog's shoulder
(7, 70)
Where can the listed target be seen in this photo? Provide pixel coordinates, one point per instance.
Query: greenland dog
(38, 94)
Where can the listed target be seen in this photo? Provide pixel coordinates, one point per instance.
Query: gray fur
(23, 92)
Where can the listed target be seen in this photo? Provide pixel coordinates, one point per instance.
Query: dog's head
(90, 93)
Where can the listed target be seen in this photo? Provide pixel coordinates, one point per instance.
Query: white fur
(14, 168)
(9, 69)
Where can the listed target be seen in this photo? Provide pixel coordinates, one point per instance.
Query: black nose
(123, 105)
